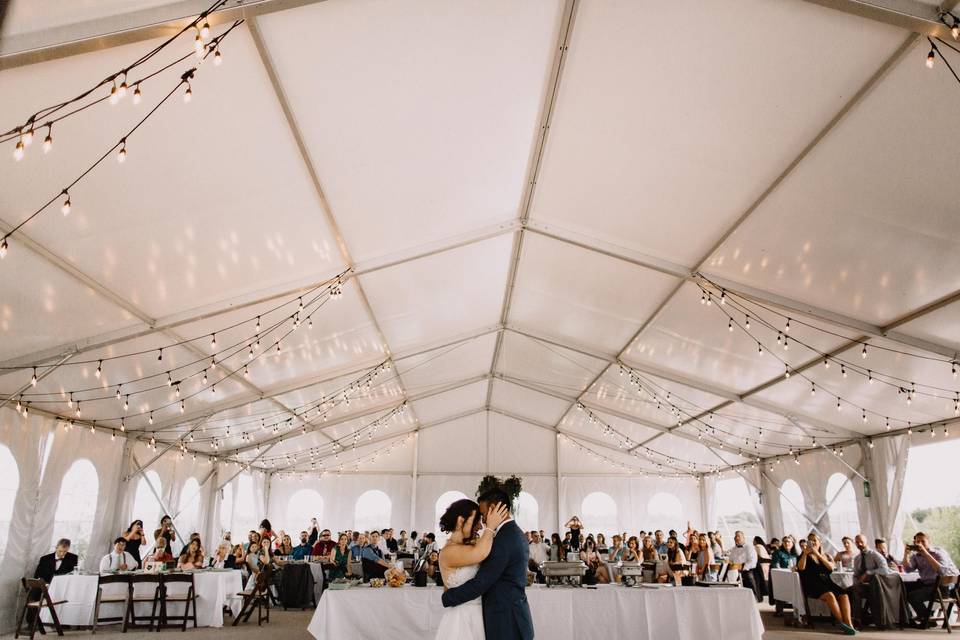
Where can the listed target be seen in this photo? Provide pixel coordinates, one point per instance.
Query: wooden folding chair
(133, 620)
(112, 598)
(257, 597)
(943, 597)
(188, 598)
(37, 599)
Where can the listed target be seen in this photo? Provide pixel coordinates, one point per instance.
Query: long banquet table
(214, 590)
(609, 611)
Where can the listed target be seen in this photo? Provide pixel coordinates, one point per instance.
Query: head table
(608, 611)
(214, 588)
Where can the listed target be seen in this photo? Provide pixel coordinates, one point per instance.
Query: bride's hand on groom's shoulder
(497, 515)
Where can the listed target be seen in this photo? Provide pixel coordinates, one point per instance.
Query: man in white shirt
(118, 559)
(743, 559)
(538, 554)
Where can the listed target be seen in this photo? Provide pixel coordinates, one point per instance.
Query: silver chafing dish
(568, 574)
(634, 573)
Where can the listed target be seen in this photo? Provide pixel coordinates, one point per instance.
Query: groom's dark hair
(494, 495)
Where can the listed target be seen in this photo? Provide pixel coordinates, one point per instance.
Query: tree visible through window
(599, 514)
(9, 484)
(77, 508)
(930, 500)
(372, 511)
(735, 509)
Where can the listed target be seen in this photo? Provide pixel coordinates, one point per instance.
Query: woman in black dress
(575, 526)
(134, 537)
(815, 567)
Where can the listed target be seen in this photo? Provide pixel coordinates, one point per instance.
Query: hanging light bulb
(843, 371)
(99, 370)
(930, 59)
(114, 93)
(33, 380)
(122, 154)
(213, 364)
(246, 372)
(213, 341)
(118, 392)
(70, 400)
(864, 417)
(953, 369)
(723, 297)
(151, 417)
(188, 94)
(813, 389)
(126, 402)
(183, 406)
(65, 209)
(869, 376)
(160, 357)
(839, 406)
(786, 343)
(955, 30)
(122, 91)
(730, 325)
(786, 373)
(48, 141)
(198, 44)
(136, 94)
(78, 408)
(169, 380)
(863, 352)
(123, 427)
(746, 322)
(18, 150)
(4, 247)
(217, 57)
(205, 30)
(786, 327)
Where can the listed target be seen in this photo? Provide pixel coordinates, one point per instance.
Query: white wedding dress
(465, 621)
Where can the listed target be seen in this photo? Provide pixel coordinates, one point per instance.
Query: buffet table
(214, 590)
(609, 611)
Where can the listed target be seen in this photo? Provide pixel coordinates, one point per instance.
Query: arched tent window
(844, 519)
(792, 506)
(735, 509)
(665, 511)
(145, 504)
(188, 519)
(599, 513)
(372, 511)
(245, 516)
(440, 507)
(77, 507)
(302, 505)
(9, 484)
(528, 512)
(226, 512)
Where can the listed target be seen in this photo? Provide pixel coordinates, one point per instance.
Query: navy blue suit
(502, 581)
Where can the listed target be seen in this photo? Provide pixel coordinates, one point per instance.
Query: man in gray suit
(867, 564)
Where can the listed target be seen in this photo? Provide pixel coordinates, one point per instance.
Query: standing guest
(266, 530)
(58, 563)
(222, 558)
(167, 531)
(716, 544)
(648, 552)
(160, 552)
(602, 548)
(303, 549)
(632, 552)
(192, 557)
(659, 543)
(135, 537)
(930, 562)
(575, 527)
(761, 573)
(556, 548)
(339, 559)
(881, 546)
(313, 532)
(324, 545)
(815, 567)
(594, 562)
(616, 548)
(118, 559)
(539, 553)
(845, 558)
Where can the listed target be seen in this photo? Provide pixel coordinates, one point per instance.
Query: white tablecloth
(214, 590)
(786, 587)
(609, 611)
(316, 569)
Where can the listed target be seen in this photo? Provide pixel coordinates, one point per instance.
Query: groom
(501, 580)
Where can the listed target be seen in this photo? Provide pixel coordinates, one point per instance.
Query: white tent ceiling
(797, 156)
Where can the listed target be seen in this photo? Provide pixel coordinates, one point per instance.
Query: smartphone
(912, 547)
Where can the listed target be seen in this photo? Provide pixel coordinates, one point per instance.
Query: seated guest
(742, 558)
(594, 562)
(868, 562)
(431, 545)
(659, 542)
(193, 536)
(602, 548)
(403, 543)
(253, 542)
(391, 542)
(192, 557)
(556, 548)
(339, 559)
(815, 567)
(259, 557)
(648, 552)
(929, 562)
(668, 571)
(374, 566)
(704, 559)
(118, 559)
(382, 542)
(881, 546)
(716, 544)
(539, 553)
(675, 554)
(303, 549)
(616, 548)
(845, 557)
(761, 573)
(357, 547)
(160, 552)
(239, 556)
(632, 552)
(432, 568)
(58, 563)
(773, 545)
(786, 556)
(222, 558)
(286, 546)
(413, 544)
(266, 530)
(324, 545)
(692, 549)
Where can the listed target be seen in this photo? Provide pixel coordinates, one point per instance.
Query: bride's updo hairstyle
(460, 509)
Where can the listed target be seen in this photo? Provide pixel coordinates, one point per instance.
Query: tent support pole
(156, 494)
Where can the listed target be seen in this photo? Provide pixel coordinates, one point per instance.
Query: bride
(459, 562)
